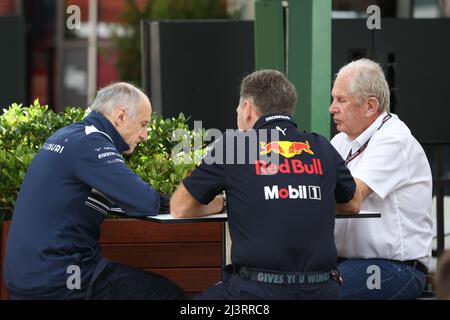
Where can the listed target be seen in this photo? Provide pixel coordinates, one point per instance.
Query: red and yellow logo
(287, 149)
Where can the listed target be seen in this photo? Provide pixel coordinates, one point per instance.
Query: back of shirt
(281, 203)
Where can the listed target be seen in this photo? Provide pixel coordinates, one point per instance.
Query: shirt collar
(102, 124)
(368, 133)
(271, 118)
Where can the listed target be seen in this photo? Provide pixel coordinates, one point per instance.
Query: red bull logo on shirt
(287, 149)
(294, 166)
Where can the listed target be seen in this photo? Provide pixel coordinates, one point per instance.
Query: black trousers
(121, 282)
(116, 282)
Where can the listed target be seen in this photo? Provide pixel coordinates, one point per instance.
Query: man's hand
(362, 191)
(184, 205)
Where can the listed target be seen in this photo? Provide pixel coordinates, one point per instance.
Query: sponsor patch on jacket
(53, 147)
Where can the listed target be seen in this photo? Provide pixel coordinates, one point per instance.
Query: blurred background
(51, 61)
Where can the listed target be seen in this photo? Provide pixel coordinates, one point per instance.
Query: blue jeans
(396, 281)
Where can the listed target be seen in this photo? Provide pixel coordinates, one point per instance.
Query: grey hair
(368, 81)
(115, 95)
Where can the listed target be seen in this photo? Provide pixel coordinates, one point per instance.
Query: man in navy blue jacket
(53, 249)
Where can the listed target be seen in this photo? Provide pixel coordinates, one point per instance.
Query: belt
(289, 278)
(413, 263)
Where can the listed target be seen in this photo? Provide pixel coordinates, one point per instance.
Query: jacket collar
(102, 124)
(369, 132)
(270, 118)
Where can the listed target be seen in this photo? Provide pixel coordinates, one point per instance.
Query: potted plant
(190, 254)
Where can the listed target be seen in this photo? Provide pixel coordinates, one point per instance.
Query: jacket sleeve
(100, 166)
(208, 179)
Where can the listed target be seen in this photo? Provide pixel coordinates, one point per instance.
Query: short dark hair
(271, 91)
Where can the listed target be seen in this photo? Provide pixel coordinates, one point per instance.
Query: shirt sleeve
(382, 165)
(345, 184)
(102, 167)
(208, 179)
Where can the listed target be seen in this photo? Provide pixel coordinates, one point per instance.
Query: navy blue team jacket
(75, 178)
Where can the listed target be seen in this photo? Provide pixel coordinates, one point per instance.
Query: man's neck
(365, 125)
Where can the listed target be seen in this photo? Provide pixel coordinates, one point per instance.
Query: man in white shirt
(382, 258)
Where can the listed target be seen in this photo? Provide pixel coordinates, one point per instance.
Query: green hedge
(23, 130)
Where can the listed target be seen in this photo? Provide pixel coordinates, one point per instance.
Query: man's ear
(247, 109)
(373, 105)
(252, 114)
(119, 116)
(253, 110)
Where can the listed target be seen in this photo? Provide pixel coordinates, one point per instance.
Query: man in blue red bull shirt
(53, 249)
(281, 186)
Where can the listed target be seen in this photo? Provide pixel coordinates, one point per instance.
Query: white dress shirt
(396, 168)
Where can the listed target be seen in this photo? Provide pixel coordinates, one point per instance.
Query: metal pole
(269, 35)
(58, 86)
(92, 51)
(310, 62)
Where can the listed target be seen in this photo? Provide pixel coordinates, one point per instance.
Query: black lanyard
(351, 156)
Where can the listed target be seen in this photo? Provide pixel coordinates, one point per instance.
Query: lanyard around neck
(351, 156)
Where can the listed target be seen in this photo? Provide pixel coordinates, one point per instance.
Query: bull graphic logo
(287, 149)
